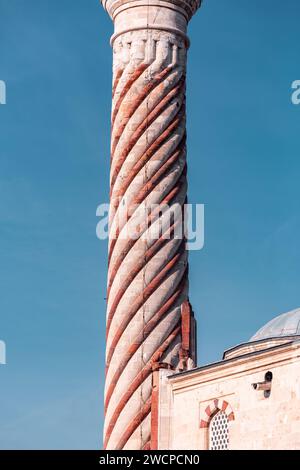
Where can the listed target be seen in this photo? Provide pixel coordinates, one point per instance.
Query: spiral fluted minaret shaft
(149, 320)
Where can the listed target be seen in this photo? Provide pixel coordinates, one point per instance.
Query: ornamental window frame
(214, 407)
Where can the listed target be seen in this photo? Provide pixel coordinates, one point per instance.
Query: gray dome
(287, 324)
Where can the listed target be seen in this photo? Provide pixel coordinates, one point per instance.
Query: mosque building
(249, 400)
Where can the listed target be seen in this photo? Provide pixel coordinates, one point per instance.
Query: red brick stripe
(138, 99)
(212, 409)
(149, 327)
(137, 73)
(117, 79)
(130, 244)
(142, 298)
(139, 379)
(152, 116)
(134, 424)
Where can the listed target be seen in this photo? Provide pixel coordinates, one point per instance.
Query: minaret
(150, 323)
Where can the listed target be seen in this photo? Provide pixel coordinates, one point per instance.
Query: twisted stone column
(149, 319)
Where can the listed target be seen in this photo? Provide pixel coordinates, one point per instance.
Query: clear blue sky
(54, 149)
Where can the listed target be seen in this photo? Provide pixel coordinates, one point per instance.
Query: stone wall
(255, 422)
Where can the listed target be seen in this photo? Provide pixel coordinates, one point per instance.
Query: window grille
(219, 432)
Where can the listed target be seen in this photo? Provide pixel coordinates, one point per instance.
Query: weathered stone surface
(187, 402)
(147, 277)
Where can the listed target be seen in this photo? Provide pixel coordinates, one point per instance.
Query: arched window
(219, 431)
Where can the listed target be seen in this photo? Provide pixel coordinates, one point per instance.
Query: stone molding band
(189, 7)
(152, 27)
(152, 3)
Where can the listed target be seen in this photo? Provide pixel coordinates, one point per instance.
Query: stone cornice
(136, 16)
(255, 361)
(186, 7)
